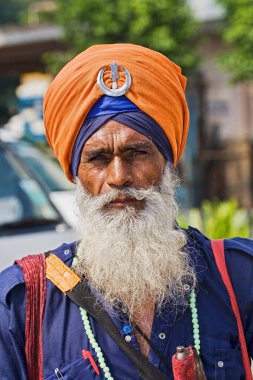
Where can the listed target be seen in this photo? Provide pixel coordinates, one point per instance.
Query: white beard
(133, 257)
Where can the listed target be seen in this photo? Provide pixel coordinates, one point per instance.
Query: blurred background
(212, 40)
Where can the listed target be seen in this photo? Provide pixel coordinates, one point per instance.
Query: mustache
(113, 195)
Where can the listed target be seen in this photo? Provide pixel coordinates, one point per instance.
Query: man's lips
(124, 202)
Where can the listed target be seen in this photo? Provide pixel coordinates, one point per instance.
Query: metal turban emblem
(114, 91)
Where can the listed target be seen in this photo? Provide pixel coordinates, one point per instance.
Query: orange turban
(157, 88)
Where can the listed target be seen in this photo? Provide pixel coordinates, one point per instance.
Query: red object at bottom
(87, 355)
(184, 369)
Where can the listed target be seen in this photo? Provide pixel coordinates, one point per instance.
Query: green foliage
(219, 219)
(164, 25)
(239, 34)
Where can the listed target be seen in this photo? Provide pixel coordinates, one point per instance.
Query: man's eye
(139, 152)
(97, 158)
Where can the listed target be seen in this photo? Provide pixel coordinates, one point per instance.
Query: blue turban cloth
(125, 112)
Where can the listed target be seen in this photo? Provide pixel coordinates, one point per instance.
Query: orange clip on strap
(60, 274)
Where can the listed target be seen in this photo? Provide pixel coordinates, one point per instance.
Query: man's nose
(118, 173)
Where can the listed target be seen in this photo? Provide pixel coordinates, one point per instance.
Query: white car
(29, 220)
(46, 172)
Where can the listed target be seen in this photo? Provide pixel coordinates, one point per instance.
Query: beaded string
(92, 340)
(99, 353)
(195, 320)
(94, 344)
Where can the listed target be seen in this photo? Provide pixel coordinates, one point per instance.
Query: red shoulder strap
(34, 272)
(219, 255)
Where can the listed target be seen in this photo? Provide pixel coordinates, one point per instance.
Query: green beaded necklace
(195, 320)
(99, 353)
(94, 344)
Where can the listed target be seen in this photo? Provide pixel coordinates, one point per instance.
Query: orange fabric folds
(157, 88)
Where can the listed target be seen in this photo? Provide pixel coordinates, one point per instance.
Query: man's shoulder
(236, 246)
(239, 245)
(239, 260)
(12, 277)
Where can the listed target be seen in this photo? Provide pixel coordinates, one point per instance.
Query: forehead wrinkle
(108, 139)
(136, 146)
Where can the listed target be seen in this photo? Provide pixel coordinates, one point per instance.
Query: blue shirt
(64, 337)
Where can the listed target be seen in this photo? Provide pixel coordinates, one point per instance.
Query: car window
(21, 198)
(45, 169)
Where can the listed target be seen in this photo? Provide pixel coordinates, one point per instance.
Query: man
(117, 119)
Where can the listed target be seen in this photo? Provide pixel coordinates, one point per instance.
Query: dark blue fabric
(124, 111)
(109, 105)
(64, 336)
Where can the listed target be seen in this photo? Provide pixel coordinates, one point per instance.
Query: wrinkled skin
(119, 157)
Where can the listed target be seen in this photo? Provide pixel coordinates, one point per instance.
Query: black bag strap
(84, 298)
(153, 346)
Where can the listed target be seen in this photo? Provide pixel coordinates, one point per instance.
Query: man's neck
(144, 317)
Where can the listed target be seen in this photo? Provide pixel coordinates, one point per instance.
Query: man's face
(139, 244)
(118, 157)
